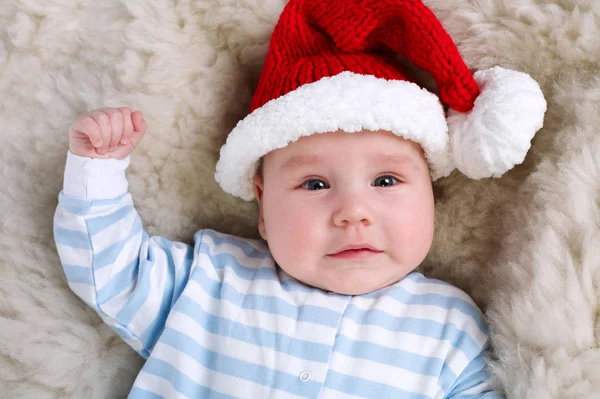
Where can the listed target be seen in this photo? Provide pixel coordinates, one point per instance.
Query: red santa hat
(331, 66)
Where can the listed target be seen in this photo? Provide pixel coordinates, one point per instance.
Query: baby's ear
(258, 193)
(258, 187)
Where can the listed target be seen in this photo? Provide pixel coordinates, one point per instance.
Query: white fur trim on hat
(348, 101)
(496, 134)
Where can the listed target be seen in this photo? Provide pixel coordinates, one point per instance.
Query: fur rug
(526, 246)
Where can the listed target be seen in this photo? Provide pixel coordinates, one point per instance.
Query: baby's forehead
(336, 150)
(335, 146)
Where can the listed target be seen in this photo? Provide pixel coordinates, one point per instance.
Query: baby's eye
(385, 181)
(315, 184)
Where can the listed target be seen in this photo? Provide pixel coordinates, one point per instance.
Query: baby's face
(327, 192)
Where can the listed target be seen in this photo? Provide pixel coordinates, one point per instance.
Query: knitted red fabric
(318, 38)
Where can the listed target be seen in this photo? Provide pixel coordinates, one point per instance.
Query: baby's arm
(474, 382)
(131, 280)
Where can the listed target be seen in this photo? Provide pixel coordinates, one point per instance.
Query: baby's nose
(353, 209)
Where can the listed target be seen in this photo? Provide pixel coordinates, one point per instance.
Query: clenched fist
(107, 133)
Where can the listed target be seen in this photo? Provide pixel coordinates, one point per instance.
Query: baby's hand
(107, 133)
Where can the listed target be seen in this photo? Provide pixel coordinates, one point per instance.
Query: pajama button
(304, 376)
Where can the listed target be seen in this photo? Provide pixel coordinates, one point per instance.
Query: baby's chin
(357, 285)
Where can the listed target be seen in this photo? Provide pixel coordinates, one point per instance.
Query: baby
(339, 151)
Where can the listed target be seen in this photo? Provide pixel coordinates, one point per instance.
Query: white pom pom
(496, 134)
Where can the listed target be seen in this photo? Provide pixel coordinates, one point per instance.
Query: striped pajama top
(220, 319)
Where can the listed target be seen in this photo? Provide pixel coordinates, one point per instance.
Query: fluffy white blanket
(526, 246)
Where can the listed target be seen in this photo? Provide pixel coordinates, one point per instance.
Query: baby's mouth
(355, 252)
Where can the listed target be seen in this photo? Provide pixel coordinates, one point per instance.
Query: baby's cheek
(420, 231)
(297, 226)
(409, 230)
(297, 232)
(279, 225)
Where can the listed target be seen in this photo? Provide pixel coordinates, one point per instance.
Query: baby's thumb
(139, 124)
(139, 127)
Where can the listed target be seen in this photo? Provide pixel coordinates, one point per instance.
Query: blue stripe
(473, 381)
(241, 243)
(181, 382)
(97, 224)
(110, 254)
(118, 282)
(473, 375)
(466, 306)
(239, 368)
(79, 274)
(76, 206)
(72, 238)
(427, 328)
(447, 378)
(366, 388)
(306, 350)
(153, 332)
(112, 201)
(268, 304)
(140, 294)
(401, 295)
(227, 260)
(421, 279)
(418, 364)
(80, 206)
(139, 393)
(290, 285)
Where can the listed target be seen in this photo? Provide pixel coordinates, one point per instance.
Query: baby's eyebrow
(399, 161)
(300, 160)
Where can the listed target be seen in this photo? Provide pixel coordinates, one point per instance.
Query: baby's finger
(116, 121)
(139, 124)
(127, 125)
(103, 121)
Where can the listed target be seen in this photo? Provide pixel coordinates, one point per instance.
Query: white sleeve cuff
(95, 178)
